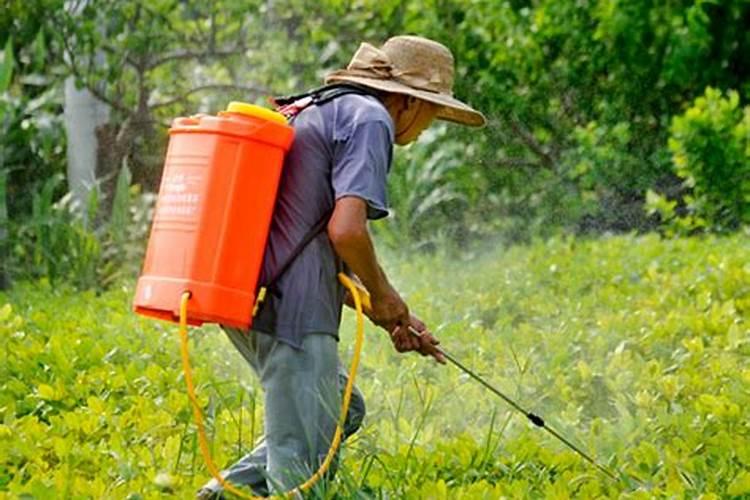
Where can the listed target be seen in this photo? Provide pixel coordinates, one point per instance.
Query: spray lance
(533, 418)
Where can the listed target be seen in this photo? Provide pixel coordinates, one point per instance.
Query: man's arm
(351, 240)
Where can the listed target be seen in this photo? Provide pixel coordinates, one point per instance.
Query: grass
(635, 348)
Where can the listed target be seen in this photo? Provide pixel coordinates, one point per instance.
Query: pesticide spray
(533, 418)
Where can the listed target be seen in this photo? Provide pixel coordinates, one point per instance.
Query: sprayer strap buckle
(259, 300)
(293, 109)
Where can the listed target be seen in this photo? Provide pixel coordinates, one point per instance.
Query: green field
(636, 348)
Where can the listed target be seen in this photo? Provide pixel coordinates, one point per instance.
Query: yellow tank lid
(256, 111)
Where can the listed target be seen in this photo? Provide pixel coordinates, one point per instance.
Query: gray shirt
(341, 148)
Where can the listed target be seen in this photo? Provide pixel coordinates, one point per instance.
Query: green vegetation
(592, 105)
(635, 347)
(709, 143)
(614, 176)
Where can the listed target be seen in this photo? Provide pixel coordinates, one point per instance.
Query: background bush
(710, 144)
(581, 100)
(64, 245)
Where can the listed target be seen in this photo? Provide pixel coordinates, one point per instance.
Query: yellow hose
(359, 297)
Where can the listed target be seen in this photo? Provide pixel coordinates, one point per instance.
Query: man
(335, 172)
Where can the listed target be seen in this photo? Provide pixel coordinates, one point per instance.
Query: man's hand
(391, 313)
(388, 310)
(415, 336)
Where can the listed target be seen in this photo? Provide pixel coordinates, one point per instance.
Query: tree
(579, 94)
(144, 60)
(84, 114)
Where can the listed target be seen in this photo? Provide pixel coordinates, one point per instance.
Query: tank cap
(256, 111)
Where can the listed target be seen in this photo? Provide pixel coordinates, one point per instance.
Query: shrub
(63, 245)
(53, 242)
(635, 348)
(710, 145)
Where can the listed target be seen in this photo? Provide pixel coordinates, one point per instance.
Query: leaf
(5, 313)
(6, 66)
(120, 206)
(40, 50)
(740, 485)
(96, 405)
(47, 392)
(92, 206)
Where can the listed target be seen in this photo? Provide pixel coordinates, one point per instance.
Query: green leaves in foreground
(636, 348)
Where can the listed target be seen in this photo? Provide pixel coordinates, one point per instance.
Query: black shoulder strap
(290, 106)
(306, 239)
(316, 97)
(270, 286)
(324, 94)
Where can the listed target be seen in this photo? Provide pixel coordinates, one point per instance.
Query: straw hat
(413, 66)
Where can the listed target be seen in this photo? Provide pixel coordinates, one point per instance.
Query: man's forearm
(352, 242)
(348, 232)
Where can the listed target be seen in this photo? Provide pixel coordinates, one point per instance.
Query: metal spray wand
(535, 419)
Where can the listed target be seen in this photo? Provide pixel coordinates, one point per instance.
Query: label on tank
(180, 195)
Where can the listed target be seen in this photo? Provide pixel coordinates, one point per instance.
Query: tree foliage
(580, 95)
(143, 59)
(710, 144)
(32, 140)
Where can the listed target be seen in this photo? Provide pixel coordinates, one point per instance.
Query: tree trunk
(83, 114)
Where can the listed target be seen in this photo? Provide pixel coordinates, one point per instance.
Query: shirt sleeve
(360, 165)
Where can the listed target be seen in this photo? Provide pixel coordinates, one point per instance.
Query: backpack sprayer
(208, 237)
(209, 234)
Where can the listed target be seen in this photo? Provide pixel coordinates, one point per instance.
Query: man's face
(415, 115)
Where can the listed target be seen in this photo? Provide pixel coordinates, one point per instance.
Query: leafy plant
(429, 199)
(60, 243)
(636, 348)
(125, 234)
(54, 243)
(6, 72)
(674, 220)
(4, 237)
(710, 144)
(32, 139)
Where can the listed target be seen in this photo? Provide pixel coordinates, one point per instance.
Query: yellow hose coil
(360, 296)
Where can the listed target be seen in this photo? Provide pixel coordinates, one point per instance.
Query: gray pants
(302, 394)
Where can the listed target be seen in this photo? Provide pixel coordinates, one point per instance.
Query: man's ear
(411, 102)
(396, 103)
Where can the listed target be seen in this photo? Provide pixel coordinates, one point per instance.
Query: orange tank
(213, 213)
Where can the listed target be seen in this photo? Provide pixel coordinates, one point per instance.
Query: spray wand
(535, 419)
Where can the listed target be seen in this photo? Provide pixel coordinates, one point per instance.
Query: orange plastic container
(213, 213)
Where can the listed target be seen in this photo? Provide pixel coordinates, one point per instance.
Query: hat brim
(452, 109)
